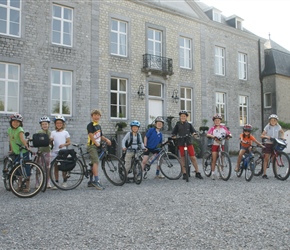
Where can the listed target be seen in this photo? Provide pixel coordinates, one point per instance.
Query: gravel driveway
(158, 214)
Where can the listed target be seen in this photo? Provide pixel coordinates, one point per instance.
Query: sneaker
(90, 184)
(48, 185)
(212, 176)
(265, 176)
(97, 185)
(198, 175)
(184, 177)
(64, 184)
(54, 188)
(160, 176)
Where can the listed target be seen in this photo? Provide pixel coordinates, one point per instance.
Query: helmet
(247, 127)
(273, 116)
(16, 117)
(183, 112)
(135, 123)
(217, 116)
(159, 119)
(59, 117)
(44, 119)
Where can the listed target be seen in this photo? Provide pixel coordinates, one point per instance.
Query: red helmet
(247, 127)
(217, 116)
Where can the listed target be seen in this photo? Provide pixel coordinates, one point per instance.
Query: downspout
(261, 81)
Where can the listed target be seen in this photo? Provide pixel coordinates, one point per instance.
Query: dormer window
(216, 16)
(235, 22)
(239, 24)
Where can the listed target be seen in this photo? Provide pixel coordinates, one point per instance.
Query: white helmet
(44, 119)
(273, 116)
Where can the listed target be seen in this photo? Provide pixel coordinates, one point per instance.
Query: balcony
(157, 64)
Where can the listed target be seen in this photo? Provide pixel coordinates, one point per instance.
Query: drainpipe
(261, 81)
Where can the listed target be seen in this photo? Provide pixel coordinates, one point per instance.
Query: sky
(260, 17)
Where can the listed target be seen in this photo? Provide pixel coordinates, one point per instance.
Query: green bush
(284, 125)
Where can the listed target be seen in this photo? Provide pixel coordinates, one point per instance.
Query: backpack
(128, 144)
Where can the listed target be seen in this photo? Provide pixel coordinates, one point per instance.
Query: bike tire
(241, 169)
(249, 171)
(36, 180)
(7, 167)
(170, 166)
(258, 162)
(40, 160)
(114, 170)
(186, 165)
(225, 168)
(74, 177)
(137, 172)
(281, 166)
(206, 163)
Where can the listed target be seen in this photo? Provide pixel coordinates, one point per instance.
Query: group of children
(132, 140)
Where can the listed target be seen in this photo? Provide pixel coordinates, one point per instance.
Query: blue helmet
(135, 123)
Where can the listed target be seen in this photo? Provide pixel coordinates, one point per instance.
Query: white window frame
(220, 61)
(185, 52)
(239, 24)
(266, 104)
(63, 21)
(64, 87)
(120, 36)
(220, 103)
(243, 110)
(155, 42)
(216, 16)
(13, 95)
(243, 66)
(9, 22)
(119, 94)
(186, 101)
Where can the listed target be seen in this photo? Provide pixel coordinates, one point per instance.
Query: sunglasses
(246, 130)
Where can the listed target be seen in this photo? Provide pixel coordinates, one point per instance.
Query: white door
(155, 109)
(155, 102)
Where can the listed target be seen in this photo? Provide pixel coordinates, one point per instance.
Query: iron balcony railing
(158, 64)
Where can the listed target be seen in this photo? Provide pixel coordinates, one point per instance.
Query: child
(271, 130)
(246, 143)
(132, 140)
(94, 141)
(16, 136)
(152, 139)
(182, 128)
(215, 132)
(61, 140)
(44, 124)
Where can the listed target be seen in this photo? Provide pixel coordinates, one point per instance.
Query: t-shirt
(95, 129)
(272, 131)
(127, 138)
(45, 149)
(14, 138)
(154, 138)
(59, 137)
(219, 132)
(247, 139)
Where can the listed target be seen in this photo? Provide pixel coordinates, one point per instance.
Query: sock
(96, 178)
(157, 172)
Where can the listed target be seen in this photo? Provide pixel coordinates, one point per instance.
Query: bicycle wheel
(241, 169)
(28, 184)
(258, 162)
(281, 166)
(114, 170)
(170, 166)
(225, 166)
(249, 171)
(137, 172)
(186, 165)
(8, 165)
(206, 163)
(73, 178)
(39, 159)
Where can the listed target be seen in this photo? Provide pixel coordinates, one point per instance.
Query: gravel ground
(158, 214)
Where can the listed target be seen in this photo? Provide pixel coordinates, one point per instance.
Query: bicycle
(279, 160)
(112, 166)
(170, 165)
(223, 162)
(248, 163)
(26, 178)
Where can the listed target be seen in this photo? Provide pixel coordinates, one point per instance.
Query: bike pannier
(66, 159)
(279, 145)
(40, 140)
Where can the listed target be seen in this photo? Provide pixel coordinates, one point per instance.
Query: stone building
(130, 59)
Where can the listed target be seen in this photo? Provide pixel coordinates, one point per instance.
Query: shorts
(268, 148)
(93, 152)
(215, 148)
(152, 151)
(190, 150)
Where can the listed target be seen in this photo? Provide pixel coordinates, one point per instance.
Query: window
(267, 100)
(61, 92)
(186, 101)
(219, 61)
(239, 24)
(242, 66)
(118, 38)
(9, 87)
(118, 98)
(185, 53)
(221, 104)
(154, 42)
(243, 105)
(10, 16)
(217, 16)
(62, 25)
